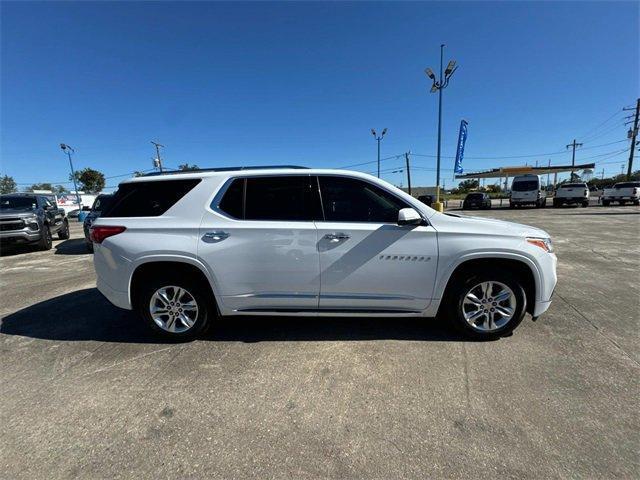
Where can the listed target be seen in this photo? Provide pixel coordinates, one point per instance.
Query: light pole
(378, 138)
(439, 85)
(68, 150)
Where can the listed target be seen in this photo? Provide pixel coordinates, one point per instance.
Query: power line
(589, 132)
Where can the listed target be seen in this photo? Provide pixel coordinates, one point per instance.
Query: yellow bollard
(438, 206)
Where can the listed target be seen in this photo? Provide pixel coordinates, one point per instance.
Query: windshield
(17, 203)
(574, 185)
(475, 196)
(524, 185)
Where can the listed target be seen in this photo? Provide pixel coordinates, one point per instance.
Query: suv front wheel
(487, 306)
(177, 309)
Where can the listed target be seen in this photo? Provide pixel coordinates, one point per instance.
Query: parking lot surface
(87, 392)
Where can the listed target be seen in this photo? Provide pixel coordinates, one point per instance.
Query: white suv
(183, 248)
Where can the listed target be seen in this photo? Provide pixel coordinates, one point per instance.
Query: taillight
(586, 192)
(99, 232)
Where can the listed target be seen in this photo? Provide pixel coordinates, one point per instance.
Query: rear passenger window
(278, 198)
(148, 199)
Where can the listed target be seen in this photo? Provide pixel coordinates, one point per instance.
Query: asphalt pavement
(87, 392)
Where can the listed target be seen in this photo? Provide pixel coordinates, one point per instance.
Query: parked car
(622, 193)
(571, 194)
(183, 248)
(476, 200)
(426, 199)
(100, 204)
(527, 190)
(27, 218)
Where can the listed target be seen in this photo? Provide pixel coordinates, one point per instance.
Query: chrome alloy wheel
(173, 309)
(489, 306)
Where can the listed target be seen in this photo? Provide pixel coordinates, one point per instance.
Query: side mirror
(408, 216)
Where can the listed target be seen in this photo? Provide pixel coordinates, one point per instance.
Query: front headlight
(544, 243)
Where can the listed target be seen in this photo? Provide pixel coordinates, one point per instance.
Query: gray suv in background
(30, 219)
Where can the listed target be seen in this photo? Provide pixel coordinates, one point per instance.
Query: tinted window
(627, 185)
(525, 185)
(148, 199)
(231, 202)
(279, 198)
(352, 200)
(101, 203)
(475, 196)
(574, 185)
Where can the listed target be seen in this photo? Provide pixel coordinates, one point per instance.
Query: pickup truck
(571, 194)
(30, 219)
(622, 193)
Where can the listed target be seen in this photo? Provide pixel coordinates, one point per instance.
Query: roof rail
(224, 169)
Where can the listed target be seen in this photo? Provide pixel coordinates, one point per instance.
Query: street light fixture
(438, 86)
(378, 138)
(69, 151)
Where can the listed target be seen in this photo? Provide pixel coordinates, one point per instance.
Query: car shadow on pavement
(75, 246)
(85, 315)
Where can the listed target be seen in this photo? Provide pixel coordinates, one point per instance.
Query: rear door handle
(336, 237)
(217, 236)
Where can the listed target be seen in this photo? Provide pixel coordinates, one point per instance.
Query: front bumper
(20, 236)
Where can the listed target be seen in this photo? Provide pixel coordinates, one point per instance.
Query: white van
(527, 190)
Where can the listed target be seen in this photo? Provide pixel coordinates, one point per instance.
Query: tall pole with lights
(437, 86)
(378, 138)
(68, 150)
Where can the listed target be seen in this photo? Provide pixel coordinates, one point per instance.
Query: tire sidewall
(63, 234)
(205, 307)
(46, 241)
(457, 298)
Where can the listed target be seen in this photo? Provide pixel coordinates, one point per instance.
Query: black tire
(636, 202)
(45, 242)
(200, 293)
(585, 204)
(605, 203)
(89, 246)
(63, 233)
(622, 203)
(459, 290)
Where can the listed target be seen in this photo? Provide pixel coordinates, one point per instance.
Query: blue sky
(303, 83)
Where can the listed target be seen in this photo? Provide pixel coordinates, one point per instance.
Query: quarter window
(148, 199)
(232, 201)
(353, 200)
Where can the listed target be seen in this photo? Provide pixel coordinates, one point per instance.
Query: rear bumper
(118, 298)
(571, 199)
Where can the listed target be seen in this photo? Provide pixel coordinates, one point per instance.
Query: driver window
(353, 200)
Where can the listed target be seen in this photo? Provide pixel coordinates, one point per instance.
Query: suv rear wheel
(487, 306)
(175, 308)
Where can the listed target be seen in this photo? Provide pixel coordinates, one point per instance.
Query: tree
(186, 166)
(41, 186)
(8, 184)
(494, 188)
(91, 181)
(138, 173)
(467, 185)
(59, 189)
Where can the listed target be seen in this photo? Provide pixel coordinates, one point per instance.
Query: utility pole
(602, 174)
(634, 135)
(378, 138)
(573, 156)
(439, 85)
(157, 145)
(548, 173)
(406, 157)
(68, 150)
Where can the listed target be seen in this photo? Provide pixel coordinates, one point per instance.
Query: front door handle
(336, 237)
(217, 236)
